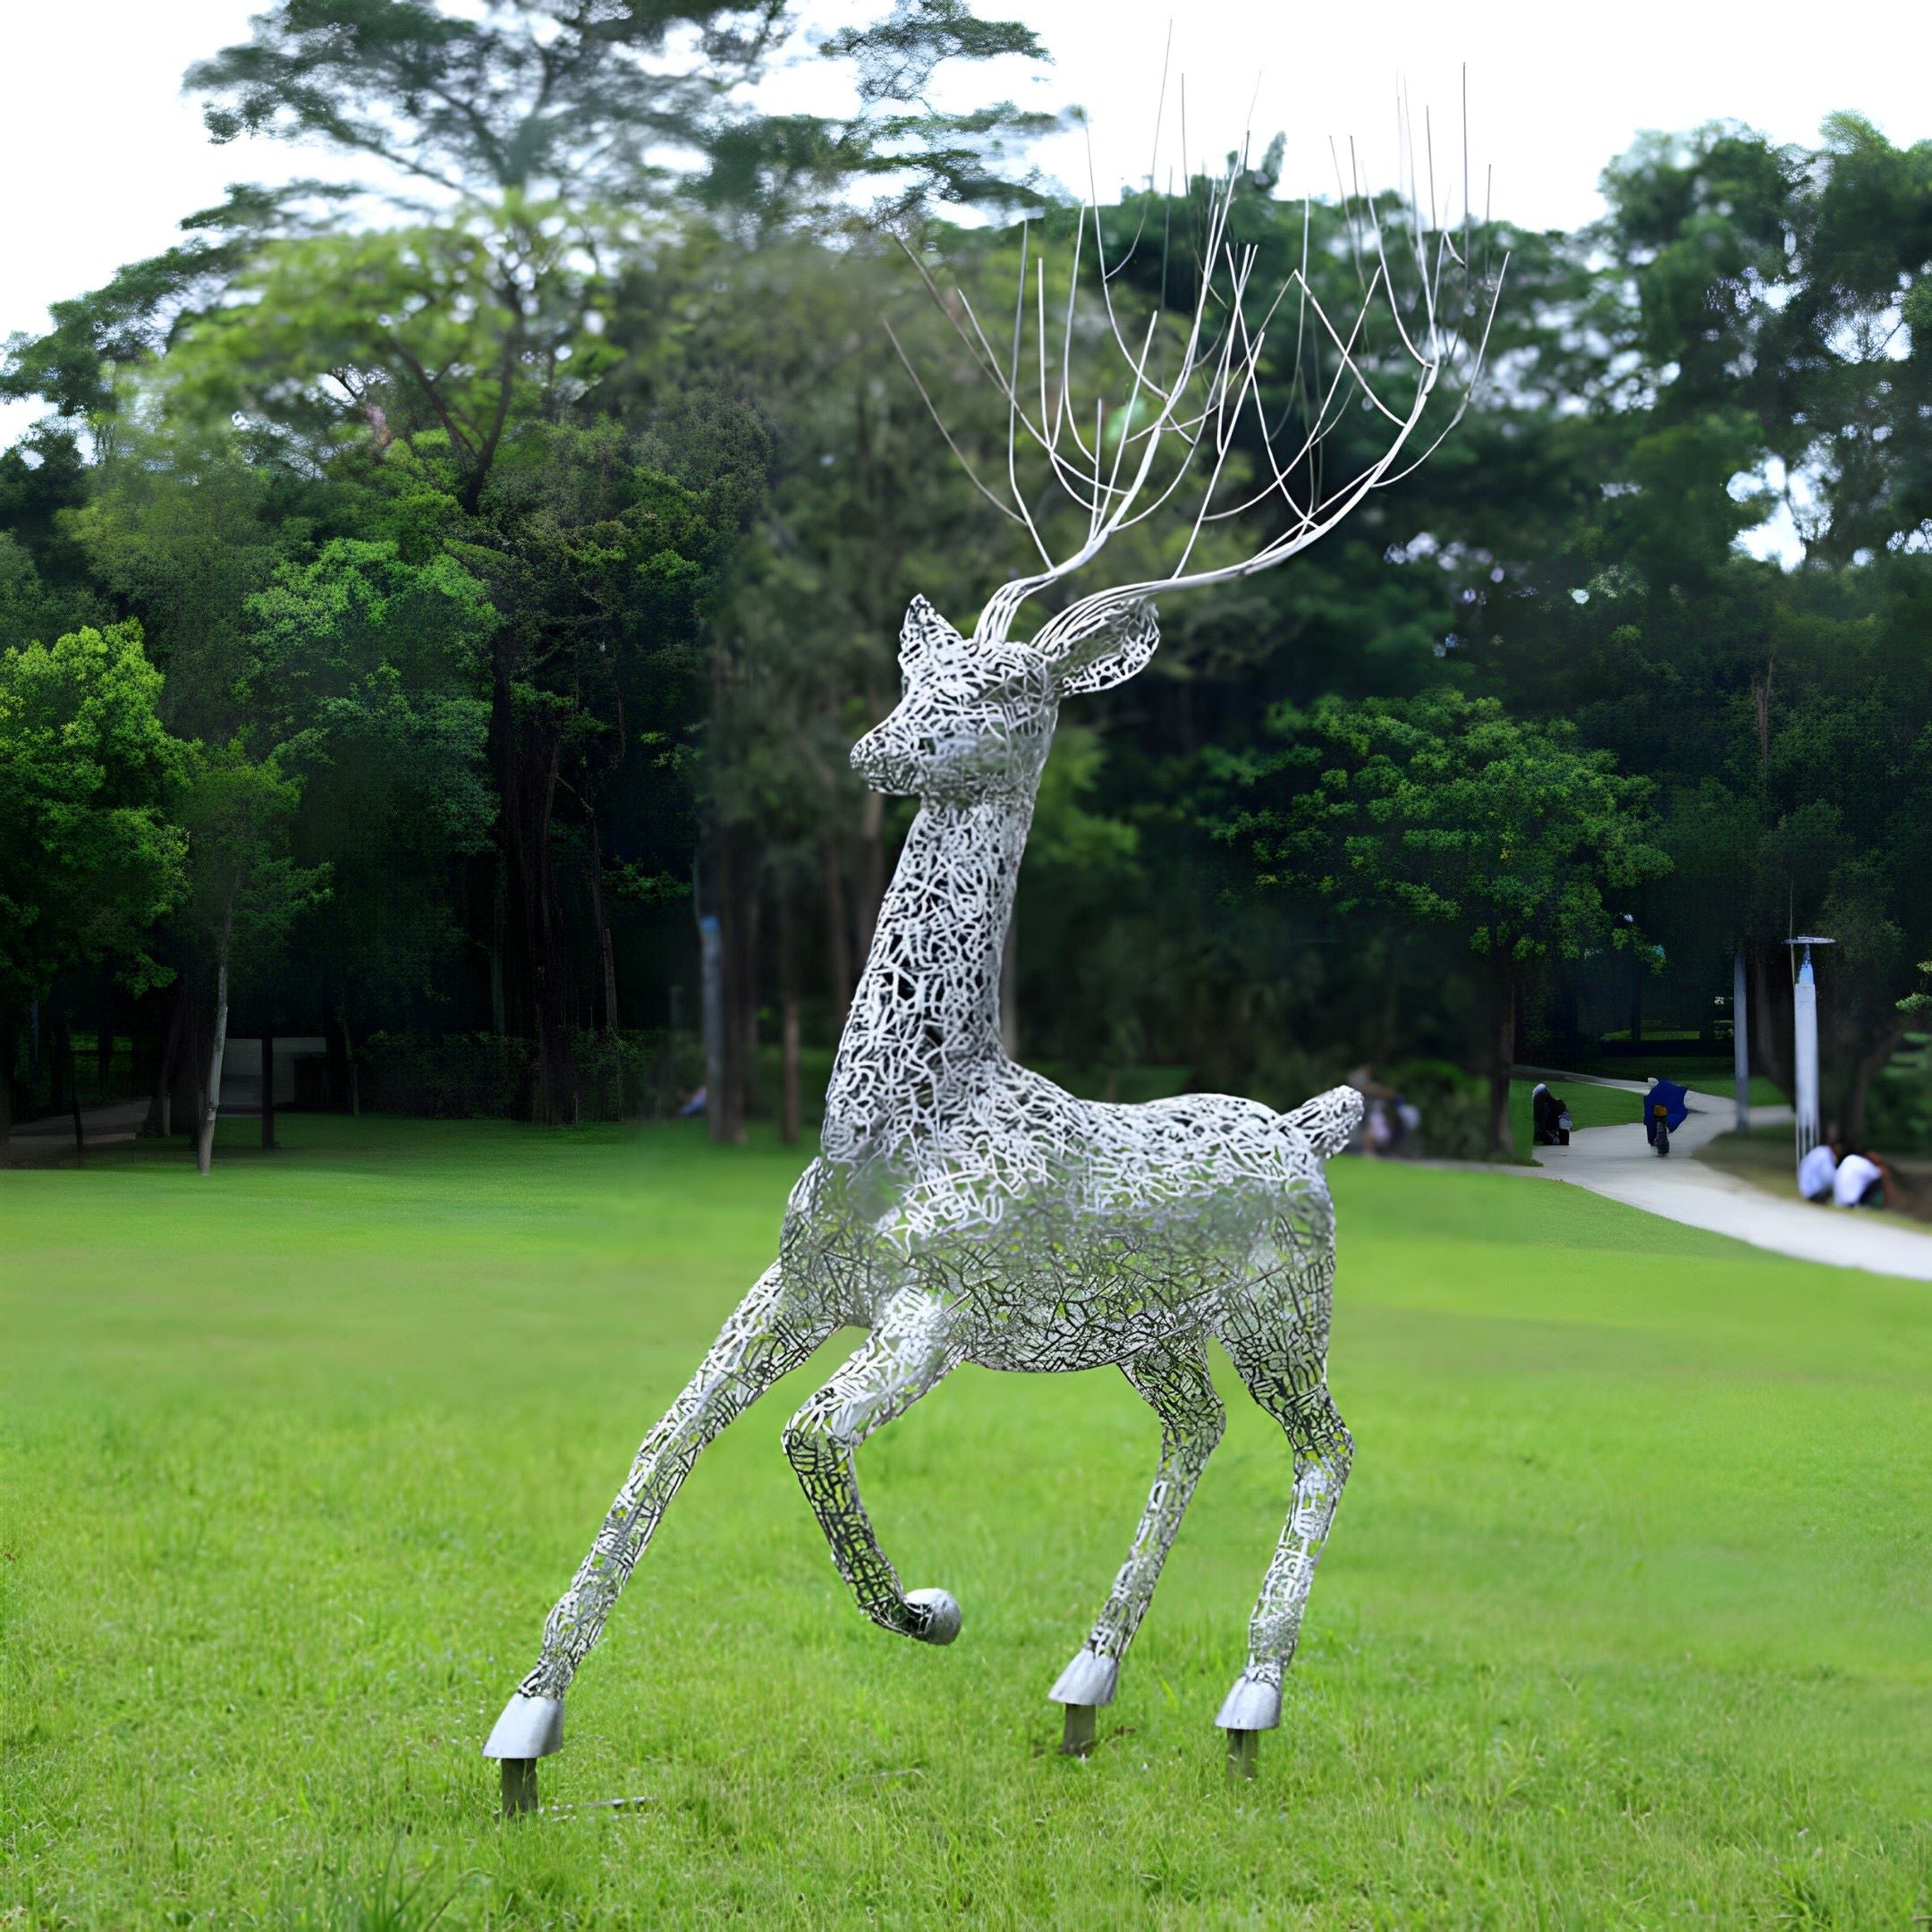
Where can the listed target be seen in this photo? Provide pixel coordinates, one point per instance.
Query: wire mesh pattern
(964, 1209)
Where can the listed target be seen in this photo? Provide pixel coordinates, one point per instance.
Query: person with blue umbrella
(1664, 1108)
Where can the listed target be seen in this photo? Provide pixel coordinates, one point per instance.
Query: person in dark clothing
(1549, 1118)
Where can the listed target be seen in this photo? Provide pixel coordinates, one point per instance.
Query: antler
(1179, 424)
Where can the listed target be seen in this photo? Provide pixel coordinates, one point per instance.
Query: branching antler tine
(1224, 442)
(1107, 290)
(1347, 206)
(1067, 407)
(998, 376)
(982, 353)
(1346, 351)
(1051, 443)
(1468, 210)
(972, 476)
(1475, 382)
(1160, 108)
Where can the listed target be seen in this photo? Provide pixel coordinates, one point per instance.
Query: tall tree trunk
(711, 1015)
(349, 1063)
(211, 1099)
(186, 1091)
(1502, 1058)
(527, 753)
(1768, 1025)
(6, 1077)
(1636, 998)
(160, 1109)
(743, 978)
(838, 930)
(104, 1041)
(495, 953)
(789, 1097)
(1868, 1067)
(603, 928)
(74, 1081)
(725, 1070)
(267, 1091)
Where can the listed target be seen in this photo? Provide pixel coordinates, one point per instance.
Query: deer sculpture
(964, 1209)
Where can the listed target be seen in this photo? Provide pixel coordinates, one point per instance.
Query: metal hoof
(1088, 1680)
(530, 1727)
(935, 1616)
(1253, 1705)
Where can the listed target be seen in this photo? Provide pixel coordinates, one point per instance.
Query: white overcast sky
(102, 156)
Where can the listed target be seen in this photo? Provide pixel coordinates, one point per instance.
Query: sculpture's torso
(1069, 1232)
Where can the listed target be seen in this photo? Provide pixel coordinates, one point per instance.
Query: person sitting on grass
(1861, 1182)
(1819, 1169)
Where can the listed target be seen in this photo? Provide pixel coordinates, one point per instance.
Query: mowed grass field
(1627, 1619)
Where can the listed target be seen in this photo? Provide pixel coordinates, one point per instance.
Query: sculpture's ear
(922, 632)
(1102, 648)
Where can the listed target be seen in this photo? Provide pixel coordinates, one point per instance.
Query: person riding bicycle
(1664, 1108)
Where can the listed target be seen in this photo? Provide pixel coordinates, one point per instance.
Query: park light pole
(1805, 1042)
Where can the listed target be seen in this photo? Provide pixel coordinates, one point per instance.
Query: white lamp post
(1805, 1043)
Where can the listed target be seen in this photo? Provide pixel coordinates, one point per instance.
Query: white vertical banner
(1805, 1055)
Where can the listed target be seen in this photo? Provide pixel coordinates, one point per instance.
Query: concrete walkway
(1617, 1161)
(50, 1142)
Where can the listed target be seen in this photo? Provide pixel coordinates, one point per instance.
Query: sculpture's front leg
(912, 1349)
(769, 1334)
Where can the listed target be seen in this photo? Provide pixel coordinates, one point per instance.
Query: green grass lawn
(1710, 1073)
(1627, 1619)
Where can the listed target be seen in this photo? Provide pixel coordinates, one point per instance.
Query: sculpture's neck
(926, 1008)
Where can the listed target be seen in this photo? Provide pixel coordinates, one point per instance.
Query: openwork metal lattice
(963, 1209)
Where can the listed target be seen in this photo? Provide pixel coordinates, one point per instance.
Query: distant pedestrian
(1818, 1171)
(1860, 1182)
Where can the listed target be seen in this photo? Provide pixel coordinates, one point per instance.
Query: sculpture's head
(975, 719)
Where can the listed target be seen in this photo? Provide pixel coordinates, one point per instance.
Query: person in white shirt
(1818, 1171)
(1860, 1182)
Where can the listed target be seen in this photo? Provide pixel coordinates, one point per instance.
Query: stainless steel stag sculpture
(963, 1209)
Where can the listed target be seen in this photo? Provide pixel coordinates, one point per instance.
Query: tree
(90, 857)
(1445, 809)
(523, 143)
(246, 891)
(370, 674)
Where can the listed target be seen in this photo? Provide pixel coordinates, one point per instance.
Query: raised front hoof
(530, 1728)
(1253, 1705)
(935, 1615)
(1088, 1680)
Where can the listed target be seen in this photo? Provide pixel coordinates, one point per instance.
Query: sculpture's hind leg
(1278, 1343)
(1173, 1379)
(910, 1350)
(767, 1336)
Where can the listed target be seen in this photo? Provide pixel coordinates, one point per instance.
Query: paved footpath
(1617, 1161)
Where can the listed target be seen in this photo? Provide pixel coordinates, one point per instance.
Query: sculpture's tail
(1329, 1120)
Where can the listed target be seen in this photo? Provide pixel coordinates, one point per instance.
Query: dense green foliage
(291, 1467)
(544, 520)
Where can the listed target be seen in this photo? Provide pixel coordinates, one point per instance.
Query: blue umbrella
(1670, 1099)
